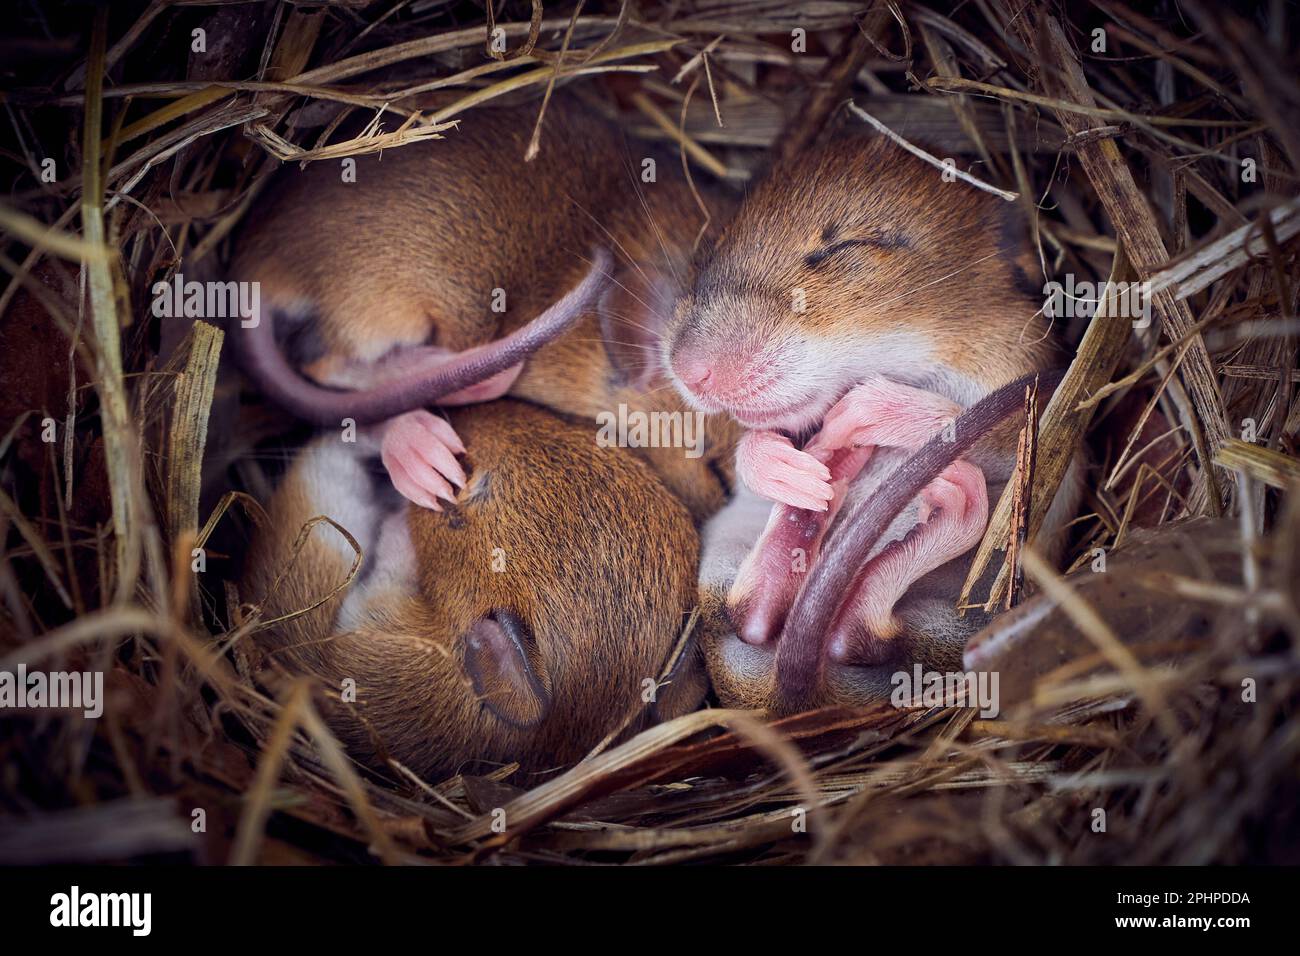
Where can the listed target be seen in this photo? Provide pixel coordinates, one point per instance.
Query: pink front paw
(419, 450)
(772, 467)
(884, 412)
(953, 515)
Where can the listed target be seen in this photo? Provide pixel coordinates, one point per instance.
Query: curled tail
(261, 358)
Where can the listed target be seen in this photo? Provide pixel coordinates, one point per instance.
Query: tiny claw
(408, 487)
(805, 463)
(419, 450)
(773, 468)
(805, 500)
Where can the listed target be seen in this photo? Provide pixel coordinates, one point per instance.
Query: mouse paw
(953, 516)
(773, 468)
(883, 412)
(419, 450)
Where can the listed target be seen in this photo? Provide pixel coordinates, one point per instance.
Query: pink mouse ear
(505, 668)
(634, 314)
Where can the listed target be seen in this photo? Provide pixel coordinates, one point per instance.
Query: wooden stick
(932, 160)
(1024, 487)
(1136, 227)
(1064, 423)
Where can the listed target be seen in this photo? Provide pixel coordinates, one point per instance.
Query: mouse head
(652, 229)
(853, 258)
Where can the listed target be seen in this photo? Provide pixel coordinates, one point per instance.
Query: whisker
(658, 232)
(631, 345)
(614, 279)
(943, 278)
(621, 248)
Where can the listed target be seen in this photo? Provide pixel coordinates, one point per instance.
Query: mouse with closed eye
(437, 257)
(854, 306)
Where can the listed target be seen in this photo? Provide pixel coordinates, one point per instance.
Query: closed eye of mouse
(853, 260)
(835, 240)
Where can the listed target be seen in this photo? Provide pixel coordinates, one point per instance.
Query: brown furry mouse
(439, 248)
(524, 623)
(859, 302)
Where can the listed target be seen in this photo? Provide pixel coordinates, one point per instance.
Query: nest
(1155, 147)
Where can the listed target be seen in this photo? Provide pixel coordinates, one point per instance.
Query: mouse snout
(725, 356)
(695, 371)
(710, 376)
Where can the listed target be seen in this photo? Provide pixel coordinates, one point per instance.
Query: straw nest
(1164, 148)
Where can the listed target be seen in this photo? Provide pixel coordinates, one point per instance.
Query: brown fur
(942, 259)
(599, 564)
(411, 252)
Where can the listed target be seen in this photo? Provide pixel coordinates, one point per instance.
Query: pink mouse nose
(694, 373)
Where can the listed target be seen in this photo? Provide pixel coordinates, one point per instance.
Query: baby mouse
(393, 285)
(521, 624)
(860, 302)
(382, 285)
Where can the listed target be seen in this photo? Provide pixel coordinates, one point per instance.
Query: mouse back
(445, 242)
(523, 624)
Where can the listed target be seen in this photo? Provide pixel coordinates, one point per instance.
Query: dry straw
(1129, 163)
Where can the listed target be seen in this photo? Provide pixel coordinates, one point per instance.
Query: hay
(1172, 157)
